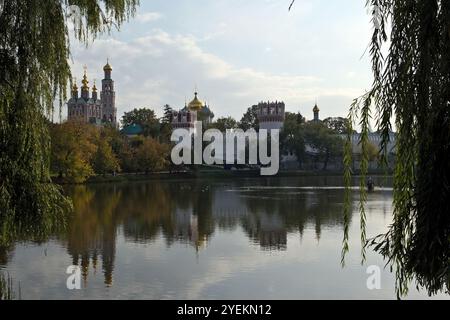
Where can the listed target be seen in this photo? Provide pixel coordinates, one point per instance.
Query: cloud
(161, 68)
(148, 17)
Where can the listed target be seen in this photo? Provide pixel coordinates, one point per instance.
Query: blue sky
(237, 53)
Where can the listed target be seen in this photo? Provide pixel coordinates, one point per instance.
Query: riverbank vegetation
(83, 152)
(80, 151)
(34, 62)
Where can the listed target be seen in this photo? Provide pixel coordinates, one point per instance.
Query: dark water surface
(207, 239)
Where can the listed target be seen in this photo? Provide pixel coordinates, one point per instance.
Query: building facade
(89, 107)
(196, 110)
(271, 115)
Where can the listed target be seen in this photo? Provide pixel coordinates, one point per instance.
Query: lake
(264, 238)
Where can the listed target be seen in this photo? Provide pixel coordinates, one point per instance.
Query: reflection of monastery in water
(189, 213)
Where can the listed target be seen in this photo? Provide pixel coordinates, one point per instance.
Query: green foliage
(168, 115)
(223, 124)
(297, 134)
(105, 161)
(144, 117)
(292, 136)
(152, 156)
(338, 125)
(34, 55)
(412, 85)
(166, 125)
(74, 145)
(250, 119)
(323, 140)
(81, 150)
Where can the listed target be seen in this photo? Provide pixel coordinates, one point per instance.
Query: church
(196, 110)
(89, 107)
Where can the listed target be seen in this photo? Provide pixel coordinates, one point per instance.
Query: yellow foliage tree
(151, 155)
(74, 145)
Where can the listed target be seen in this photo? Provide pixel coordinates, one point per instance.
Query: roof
(132, 130)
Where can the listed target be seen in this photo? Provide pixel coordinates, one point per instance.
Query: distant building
(133, 130)
(91, 108)
(271, 115)
(196, 110)
(316, 111)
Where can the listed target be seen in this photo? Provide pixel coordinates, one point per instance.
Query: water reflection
(113, 222)
(189, 212)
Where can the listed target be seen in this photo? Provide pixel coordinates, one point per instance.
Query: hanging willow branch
(34, 71)
(412, 85)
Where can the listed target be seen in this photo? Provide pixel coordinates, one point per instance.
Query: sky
(236, 53)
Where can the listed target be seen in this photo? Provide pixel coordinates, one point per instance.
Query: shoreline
(242, 174)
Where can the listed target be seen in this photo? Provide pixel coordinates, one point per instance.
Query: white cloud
(148, 17)
(162, 68)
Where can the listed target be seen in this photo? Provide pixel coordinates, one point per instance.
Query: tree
(144, 117)
(296, 118)
(166, 124)
(34, 55)
(223, 124)
(323, 140)
(412, 85)
(105, 161)
(250, 119)
(151, 155)
(73, 149)
(127, 156)
(339, 125)
(292, 136)
(168, 115)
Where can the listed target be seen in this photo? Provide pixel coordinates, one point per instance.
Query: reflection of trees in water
(92, 231)
(181, 212)
(5, 254)
(6, 288)
(188, 212)
(274, 213)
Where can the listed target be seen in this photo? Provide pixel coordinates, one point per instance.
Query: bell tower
(108, 97)
(316, 111)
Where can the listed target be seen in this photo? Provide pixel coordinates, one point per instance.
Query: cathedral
(196, 110)
(90, 108)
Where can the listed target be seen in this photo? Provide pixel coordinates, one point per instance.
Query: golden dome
(316, 108)
(196, 104)
(85, 82)
(107, 67)
(75, 87)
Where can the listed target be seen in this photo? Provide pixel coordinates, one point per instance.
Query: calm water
(229, 239)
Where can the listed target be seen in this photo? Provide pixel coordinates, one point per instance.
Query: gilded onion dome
(196, 104)
(107, 67)
(85, 82)
(316, 108)
(75, 87)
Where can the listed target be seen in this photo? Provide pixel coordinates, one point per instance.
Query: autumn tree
(34, 71)
(151, 155)
(105, 160)
(74, 145)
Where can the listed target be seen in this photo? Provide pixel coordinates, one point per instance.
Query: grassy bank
(209, 173)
